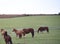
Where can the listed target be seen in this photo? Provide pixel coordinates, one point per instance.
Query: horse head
(2, 30)
(14, 30)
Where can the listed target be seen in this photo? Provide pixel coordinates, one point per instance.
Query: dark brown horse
(19, 33)
(7, 38)
(41, 29)
(29, 30)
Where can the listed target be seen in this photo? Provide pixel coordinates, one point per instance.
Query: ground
(53, 22)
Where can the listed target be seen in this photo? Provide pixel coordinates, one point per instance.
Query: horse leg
(47, 30)
(6, 42)
(10, 41)
(32, 33)
(24, 34)
(20, 36)
(16, 35)
(38, 31)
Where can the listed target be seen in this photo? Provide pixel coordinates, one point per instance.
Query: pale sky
(29, 6)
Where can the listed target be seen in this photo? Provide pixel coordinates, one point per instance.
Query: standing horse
(7, 38)
(29, 30)
(41, 29)
(19, 33)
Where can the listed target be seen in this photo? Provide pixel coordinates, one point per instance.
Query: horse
(7, 38)
(29, 30)
(3, 31)
(19, 32)
(41, 29)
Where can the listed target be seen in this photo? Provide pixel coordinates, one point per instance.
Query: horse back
(43, 28)
(28, 30)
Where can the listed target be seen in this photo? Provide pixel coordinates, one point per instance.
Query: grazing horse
(3, 31)
(41, 29)
(29, 30)
(7, 38)
(19, 33)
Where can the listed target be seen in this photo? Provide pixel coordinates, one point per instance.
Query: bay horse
(19, 32)
(7, 38)
(41, 29)
(29, 30)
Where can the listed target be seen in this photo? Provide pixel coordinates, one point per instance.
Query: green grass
(53, 22)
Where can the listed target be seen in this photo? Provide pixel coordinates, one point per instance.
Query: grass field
(53, 22)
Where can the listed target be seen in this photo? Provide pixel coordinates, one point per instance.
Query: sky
(29, 6)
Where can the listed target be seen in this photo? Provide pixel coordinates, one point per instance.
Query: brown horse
(29, 30)
(7, 38)
(19, 33)
(41, 29)
(3, 31)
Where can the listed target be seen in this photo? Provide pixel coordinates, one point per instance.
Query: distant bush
(55, 14)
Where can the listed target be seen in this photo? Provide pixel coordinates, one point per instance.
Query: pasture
(53, 22)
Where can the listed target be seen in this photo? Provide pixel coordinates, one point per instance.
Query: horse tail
(32, 33)
(47, 30)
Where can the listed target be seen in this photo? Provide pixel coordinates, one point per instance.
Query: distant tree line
(59, 13)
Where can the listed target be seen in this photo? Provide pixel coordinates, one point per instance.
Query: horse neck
(5, 36)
